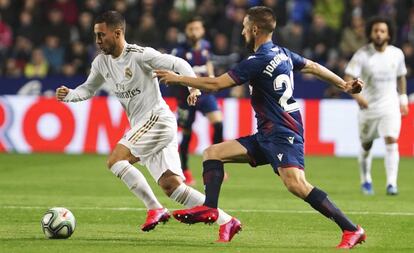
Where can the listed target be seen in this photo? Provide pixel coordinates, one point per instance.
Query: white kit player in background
(382, 101)
(152, 139)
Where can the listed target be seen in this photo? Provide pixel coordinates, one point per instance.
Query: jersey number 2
(285, 81)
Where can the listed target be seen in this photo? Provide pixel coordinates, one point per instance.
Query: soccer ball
(58, 223)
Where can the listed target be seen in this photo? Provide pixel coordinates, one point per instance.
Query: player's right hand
(193, 97)
(61, 92)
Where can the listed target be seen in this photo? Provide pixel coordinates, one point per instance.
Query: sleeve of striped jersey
(152, 59)
(244, 71)
(297, 60)
(88, 88)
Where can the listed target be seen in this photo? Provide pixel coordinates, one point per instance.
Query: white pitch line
(229, 210)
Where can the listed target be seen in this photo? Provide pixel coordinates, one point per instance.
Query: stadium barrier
(40, 124)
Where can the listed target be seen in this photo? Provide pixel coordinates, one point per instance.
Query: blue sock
(218, 132)
(184, 150)
(319, 200)
(213, 173)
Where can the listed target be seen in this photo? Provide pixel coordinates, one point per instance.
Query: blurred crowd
(43, 37)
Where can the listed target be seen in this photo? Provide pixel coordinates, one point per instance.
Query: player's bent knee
(211, 153)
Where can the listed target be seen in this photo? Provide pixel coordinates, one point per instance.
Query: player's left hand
(167, 77)
(193, 97)
(354, 86)
(404, 110)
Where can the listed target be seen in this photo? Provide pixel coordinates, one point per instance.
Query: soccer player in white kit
(382, 101)
(152, 139)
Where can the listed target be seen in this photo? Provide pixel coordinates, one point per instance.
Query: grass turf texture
(108, 215)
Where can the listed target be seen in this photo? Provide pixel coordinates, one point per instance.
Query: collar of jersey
(123, 52)
(265, 46)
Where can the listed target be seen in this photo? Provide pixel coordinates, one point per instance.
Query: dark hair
(112, 19)
(195, 19)
(380, 19)
(263, 17)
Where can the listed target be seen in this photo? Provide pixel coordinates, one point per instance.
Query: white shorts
(370, 128)
(154, 141)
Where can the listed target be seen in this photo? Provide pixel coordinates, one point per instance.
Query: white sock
(391, 160)
(365, 160)
(190, 197)
(136, 183)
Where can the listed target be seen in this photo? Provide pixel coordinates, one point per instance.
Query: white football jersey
(379, 71)
(131, 79)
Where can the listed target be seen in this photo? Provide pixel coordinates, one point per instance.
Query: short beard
(250, 46)
(379, 44)
(110, 50)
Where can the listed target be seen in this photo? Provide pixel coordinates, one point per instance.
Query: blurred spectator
(292, 35)
(408, 50)
(8, 12)
(38, 66)
(221, 55)
(92, 6)
(21, 51)
(146, 32)
(76, 59)
(171, 39)
(12, 69)
(130, 14)
(353, 37)
(407, 31)
(320, 40)
(6, 37)
(84, 29)
(185, 7)
(388, 9)
(27, 28)
(57, 27)
(36, 9)
(279, 8)
(54, 53)
(300, 11)
(331, 10)
(69, 10)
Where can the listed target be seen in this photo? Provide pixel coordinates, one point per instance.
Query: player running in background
(279, 140)
(152, 139)
(196, 51)
(382, 101)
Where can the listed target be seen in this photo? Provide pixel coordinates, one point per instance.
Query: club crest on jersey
(128, 73)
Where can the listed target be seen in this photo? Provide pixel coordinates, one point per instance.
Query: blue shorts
(186, 114)
(278, 151)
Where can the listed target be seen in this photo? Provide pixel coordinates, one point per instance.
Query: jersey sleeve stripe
(234, 77)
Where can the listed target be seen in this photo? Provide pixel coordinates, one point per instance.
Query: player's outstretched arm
(352, 86)
(362, 102)
(209, 84)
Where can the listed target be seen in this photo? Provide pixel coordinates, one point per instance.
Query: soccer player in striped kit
(279, 140)
(152, 139)
(196, 51)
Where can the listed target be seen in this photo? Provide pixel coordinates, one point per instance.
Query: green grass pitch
(108, 215)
